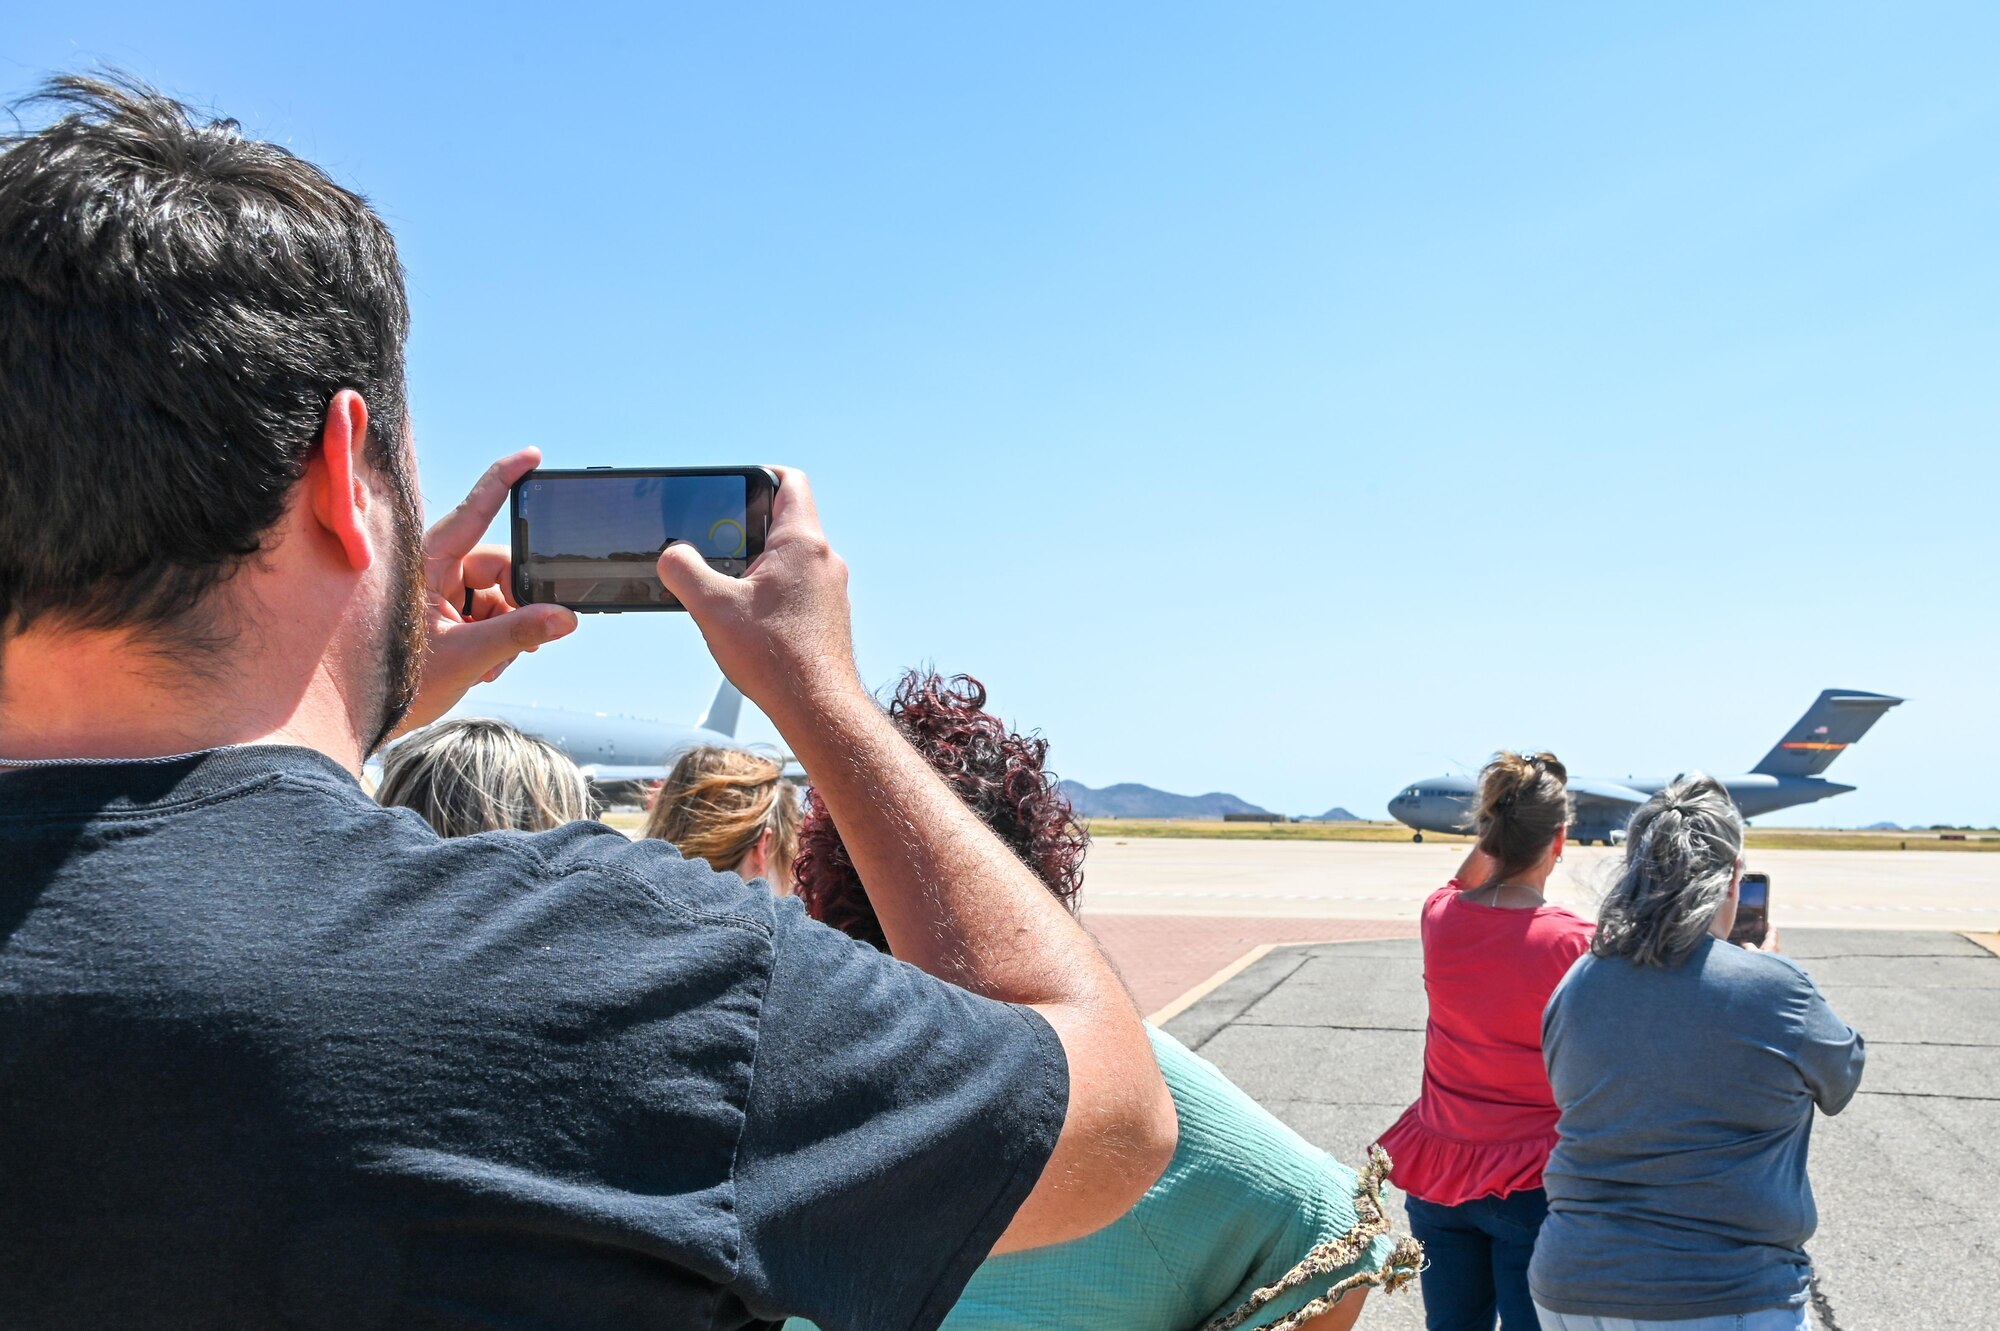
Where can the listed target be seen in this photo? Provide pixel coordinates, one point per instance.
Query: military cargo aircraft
(1788, 775)
(618, 748)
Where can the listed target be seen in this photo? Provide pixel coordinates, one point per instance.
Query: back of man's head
(178, 306)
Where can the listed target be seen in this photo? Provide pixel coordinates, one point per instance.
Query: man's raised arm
(951, 898)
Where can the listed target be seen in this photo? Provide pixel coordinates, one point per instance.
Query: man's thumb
(687, 575)
(502, 637)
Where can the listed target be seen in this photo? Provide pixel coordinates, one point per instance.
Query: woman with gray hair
(1686, 1071)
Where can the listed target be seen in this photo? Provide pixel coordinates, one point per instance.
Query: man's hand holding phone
(474, 629)
(952, 899)
(781, 632)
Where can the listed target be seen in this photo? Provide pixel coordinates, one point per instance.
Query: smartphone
(589, 539)
(1753, 909)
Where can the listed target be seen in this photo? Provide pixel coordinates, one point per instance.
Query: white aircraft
(618, 748)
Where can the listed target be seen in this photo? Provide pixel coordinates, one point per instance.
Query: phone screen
(1753, 909)
(590, 540)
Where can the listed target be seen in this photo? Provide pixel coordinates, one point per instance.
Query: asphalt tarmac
(1360, 880)
(1329, 1037)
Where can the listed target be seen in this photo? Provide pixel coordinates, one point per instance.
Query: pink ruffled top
(1485, 1122)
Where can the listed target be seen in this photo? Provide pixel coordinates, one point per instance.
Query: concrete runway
(1330, 1038)
(1364, 880)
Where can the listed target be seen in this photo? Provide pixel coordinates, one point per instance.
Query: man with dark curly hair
(1248, 1219)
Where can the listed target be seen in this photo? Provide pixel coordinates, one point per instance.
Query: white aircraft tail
(722, 713)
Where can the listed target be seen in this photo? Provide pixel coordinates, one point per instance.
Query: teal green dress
(1243, 1203)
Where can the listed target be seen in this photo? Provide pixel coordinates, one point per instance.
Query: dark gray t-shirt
(273, 1056)
(1678, 1184)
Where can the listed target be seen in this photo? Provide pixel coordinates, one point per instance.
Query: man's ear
(336, 478)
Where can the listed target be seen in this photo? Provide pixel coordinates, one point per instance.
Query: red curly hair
(999, 775)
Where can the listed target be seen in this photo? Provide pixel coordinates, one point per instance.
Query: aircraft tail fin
(722, 713)
(1837, 718)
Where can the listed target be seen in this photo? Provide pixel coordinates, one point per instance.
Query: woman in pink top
(1470, 1151)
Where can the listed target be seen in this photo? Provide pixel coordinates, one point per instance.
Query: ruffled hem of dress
(1446, 1171)
(1371, 1222)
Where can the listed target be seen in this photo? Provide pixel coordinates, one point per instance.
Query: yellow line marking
(1991, 942)
(1236, 968)
(1211, 984)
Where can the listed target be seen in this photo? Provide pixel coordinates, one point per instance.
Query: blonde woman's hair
(477, 775)
(718, 802)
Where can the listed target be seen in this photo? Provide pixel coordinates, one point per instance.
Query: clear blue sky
(1289, 399)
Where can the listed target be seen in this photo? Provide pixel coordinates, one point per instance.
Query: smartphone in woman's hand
(1753, 910)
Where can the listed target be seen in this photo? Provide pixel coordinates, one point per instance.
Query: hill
(1131, 800)
(1339, 815)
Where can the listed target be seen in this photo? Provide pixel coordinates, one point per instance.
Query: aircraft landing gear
(1418, 838)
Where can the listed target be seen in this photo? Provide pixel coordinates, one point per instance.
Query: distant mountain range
(1129, 799)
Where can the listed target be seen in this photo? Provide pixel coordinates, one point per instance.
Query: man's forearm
(955, 902)
(950, 897)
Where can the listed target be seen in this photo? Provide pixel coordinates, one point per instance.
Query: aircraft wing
(1597, 800)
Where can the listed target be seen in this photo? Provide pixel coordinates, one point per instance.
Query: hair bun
(1523, 805)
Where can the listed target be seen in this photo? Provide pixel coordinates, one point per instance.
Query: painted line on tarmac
(1250, 896)
(1211, 984)
(1167, 894)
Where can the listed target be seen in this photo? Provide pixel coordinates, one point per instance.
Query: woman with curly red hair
(998, 774)
(1248, 1219)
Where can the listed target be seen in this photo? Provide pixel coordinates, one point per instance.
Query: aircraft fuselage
(607, 748)
(1444, 803)
(1789, 775)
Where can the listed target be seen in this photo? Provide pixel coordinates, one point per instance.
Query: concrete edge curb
(1236, 968)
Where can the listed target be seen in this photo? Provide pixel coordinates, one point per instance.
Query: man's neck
(67, 694)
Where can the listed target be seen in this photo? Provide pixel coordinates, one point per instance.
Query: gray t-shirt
(1678, 1184)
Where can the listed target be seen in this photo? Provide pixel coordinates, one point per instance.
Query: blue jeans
(1477, 1263)
(1764, 1319)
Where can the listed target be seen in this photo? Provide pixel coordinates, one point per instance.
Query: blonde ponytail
(718, 803)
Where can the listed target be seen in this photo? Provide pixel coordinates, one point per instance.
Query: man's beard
(403, 620)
